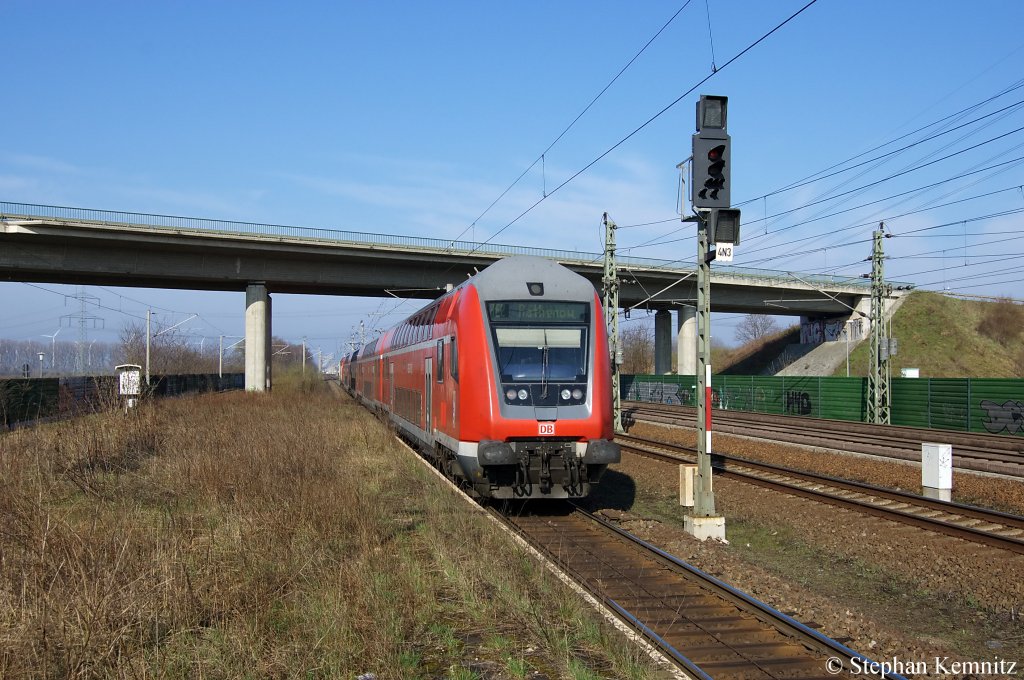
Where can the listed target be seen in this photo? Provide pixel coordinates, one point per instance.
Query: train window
(541, 353)
(453, 358)
(439, 358)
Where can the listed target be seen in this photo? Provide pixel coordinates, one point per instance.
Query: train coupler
(545, 471)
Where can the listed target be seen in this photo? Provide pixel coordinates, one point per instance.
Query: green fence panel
(844, 398)
(730, 392)
(979, 405)
(940, 403)
(910, 401)
(659, 389)
(768, 394)
(997, 406)
(801, 396)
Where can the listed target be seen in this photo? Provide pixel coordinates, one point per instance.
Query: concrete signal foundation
(703, 528)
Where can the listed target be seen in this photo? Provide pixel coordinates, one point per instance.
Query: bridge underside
(86, 253)
(93, 255)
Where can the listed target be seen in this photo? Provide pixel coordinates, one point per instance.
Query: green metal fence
(988, 405)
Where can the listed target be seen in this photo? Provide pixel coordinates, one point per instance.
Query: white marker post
(937, 470)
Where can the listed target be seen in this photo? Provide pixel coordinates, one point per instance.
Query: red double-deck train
(504, 382)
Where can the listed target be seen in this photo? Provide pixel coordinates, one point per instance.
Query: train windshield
(540, 341)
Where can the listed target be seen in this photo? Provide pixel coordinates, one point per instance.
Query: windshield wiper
(544, 371)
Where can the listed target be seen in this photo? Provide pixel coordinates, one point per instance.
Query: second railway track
(971, 451)
(989, 527)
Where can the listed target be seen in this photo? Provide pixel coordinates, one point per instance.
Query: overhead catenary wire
(541, 157)
(623, 140)
(825, 172)
(831, 172)
(643, 125)
(116, 310)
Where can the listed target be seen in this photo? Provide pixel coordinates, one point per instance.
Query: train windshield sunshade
(539, 337)
(538, 354)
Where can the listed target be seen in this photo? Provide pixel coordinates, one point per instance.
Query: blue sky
(411, 118)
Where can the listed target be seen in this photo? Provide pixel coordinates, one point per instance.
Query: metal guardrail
(9, 210)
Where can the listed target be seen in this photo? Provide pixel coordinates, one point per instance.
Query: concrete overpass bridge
(52, 244)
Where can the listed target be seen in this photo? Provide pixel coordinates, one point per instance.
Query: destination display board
(537, 312)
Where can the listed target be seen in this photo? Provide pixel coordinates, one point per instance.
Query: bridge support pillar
(257, 338)
(662, 342)
(686, 349)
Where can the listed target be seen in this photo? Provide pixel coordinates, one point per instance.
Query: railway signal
(711, 155)
(716, 222)
(724, 226)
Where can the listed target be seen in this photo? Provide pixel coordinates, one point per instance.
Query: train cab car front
(548, 432)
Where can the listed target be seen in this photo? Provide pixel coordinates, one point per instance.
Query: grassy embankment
(241, 535)
(949, 338)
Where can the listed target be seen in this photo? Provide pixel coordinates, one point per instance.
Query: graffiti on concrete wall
(1008, 416)
(817, 331)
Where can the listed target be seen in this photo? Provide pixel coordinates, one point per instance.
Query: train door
(428, 391)
(391, 382)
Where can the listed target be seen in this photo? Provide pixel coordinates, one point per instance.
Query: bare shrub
(1002, 321)
(637, 349)
(753, 327)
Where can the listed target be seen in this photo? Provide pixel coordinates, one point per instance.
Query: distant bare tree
(753, 327)
(169, 353)
(637, 349)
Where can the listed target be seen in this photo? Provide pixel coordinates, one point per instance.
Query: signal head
(711, 112)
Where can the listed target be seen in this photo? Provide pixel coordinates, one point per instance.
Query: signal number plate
(545, 429)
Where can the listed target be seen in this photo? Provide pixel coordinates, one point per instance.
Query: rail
(970, 523)
(709, 628)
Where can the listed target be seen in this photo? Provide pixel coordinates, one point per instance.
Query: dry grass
(1002, 321)
(240, 535)
(942, 337)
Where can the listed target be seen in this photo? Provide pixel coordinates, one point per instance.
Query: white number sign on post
(129, 384)
(724, 252)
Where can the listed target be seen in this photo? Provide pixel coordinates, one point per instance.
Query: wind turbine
(53, 347)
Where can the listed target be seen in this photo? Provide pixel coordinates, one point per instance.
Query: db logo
(545, 429)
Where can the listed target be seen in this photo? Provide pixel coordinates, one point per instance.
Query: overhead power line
(806, 180)
(647, 122)
(540, 158)
(888, 154)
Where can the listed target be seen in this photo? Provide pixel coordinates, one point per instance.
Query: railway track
(988, 527)
(971, 451)
(708, 628)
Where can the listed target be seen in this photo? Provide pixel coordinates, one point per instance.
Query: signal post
(719, 224)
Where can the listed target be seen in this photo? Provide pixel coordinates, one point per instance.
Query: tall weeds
(239, 535)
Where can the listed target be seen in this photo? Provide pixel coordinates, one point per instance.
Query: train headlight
(577, 393)
(523, 394)
(565, 394)
(510, 395)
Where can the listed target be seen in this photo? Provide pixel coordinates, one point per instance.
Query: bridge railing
(118, 218)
